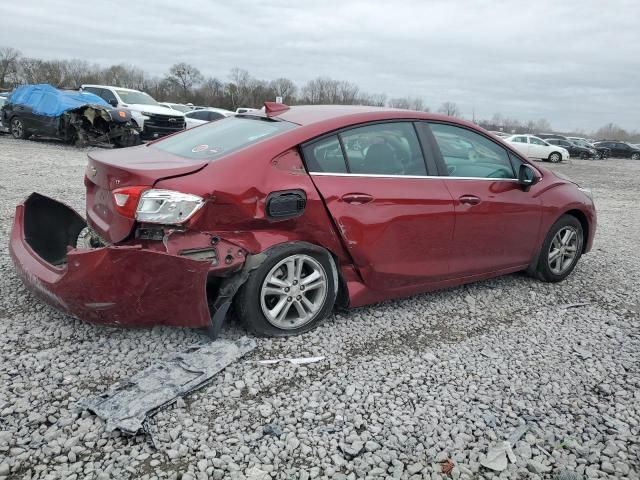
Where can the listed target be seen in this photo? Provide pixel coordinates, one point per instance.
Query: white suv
(153, 119)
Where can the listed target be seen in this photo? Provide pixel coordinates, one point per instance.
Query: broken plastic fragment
(295, 361)
(128, 404)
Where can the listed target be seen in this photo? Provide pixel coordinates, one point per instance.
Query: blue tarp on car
(51, 102)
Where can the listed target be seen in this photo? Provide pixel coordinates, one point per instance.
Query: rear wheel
(290, 292)
(17, 128)
(561, 249)
(555, 157)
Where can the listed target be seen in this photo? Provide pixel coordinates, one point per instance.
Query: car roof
(344, 115)
(110, 86)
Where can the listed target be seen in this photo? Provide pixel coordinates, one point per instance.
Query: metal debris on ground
(295, 361)
(127, 405)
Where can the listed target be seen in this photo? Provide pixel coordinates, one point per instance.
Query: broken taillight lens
(126, 200)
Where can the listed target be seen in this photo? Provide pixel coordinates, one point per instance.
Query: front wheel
(561, 249)
(290, 292)
(555, 157)
(584, 156)
(17, 128)
(635, 156)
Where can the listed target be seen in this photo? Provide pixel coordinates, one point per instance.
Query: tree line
(184, 83)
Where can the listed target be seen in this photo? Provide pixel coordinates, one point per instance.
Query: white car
(204, 115)
(534, 147)
(153, 119)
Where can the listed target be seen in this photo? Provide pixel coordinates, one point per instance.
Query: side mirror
(113, 102)
(527, 176)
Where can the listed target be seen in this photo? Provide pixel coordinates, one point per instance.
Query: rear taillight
(126, 200)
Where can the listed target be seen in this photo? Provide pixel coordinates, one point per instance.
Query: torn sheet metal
(126, 406)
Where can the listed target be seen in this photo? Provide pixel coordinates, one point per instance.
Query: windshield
(216, 139)
(180, 108)
(129, 96)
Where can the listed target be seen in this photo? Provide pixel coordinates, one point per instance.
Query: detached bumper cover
(114, 285)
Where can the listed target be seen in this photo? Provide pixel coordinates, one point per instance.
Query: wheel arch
(584, 222)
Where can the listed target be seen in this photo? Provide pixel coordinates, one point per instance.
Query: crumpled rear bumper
(113, 285)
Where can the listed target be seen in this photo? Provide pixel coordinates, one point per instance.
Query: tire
(635, 156)
(555, 157)
(17, 129)
(271, 285)
(555, 268)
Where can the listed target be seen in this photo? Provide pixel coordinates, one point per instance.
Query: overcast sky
(576, 63)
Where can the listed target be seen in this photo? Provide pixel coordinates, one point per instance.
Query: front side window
(537, 141)
(214, 116)
(384, 149)
(469, 154)
(214, 140)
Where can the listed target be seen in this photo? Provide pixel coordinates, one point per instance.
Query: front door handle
(357, 198)
(469, 199)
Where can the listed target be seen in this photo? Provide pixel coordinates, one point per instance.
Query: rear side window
(469, 154)
(325, 156)
(216, 139)
(384, 149)
(214, 116)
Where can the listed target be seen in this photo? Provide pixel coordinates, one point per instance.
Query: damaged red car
(286, 213)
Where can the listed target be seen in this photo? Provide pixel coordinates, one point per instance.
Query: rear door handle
(469, 199)
(357, 198)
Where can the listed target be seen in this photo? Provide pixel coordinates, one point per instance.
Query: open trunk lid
(108, 170)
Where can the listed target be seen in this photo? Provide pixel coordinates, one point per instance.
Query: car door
(538, 148)
(521, 143)
(395, 220)
(497, 222)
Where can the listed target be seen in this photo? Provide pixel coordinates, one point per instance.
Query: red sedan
(286, 212)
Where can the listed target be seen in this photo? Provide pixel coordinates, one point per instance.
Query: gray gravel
(405, 384)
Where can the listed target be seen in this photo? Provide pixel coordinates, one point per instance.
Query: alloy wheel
(563, 250)
(293, 292)
(555, 157)
(635, 156)
(16, 128)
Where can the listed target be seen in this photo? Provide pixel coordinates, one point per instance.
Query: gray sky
(575, 63)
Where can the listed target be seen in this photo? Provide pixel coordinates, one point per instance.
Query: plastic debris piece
(127, 405)
(295, 361)
(499, 455)
(496, 458)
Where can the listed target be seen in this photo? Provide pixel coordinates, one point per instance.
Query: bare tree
(285, 88)
(123, 75)
(409, 103)
(184, 76)
(8, 64)
(611, 131)
(450, 109)
(374, 99)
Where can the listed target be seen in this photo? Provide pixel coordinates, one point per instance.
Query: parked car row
(42, 110)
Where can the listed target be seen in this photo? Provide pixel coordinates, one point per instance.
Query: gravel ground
(405, 384)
